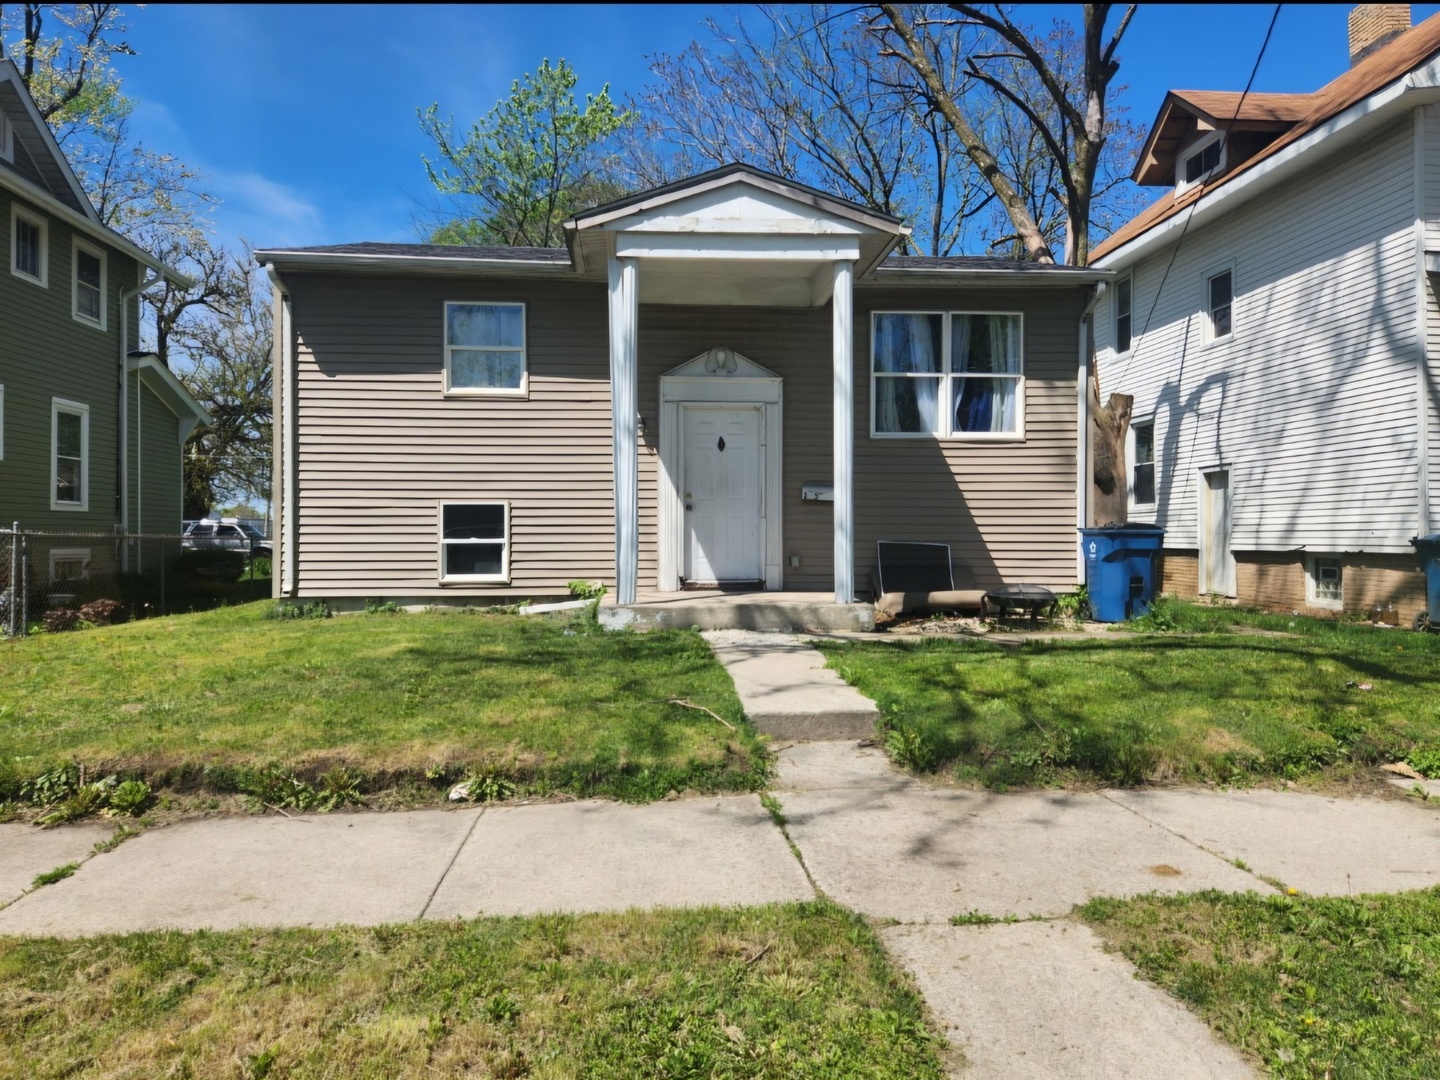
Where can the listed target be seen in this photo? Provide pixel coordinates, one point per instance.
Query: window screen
(474, 541)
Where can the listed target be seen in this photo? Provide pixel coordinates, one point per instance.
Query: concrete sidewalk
(1029, 1000)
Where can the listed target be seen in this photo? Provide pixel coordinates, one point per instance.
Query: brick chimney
(1372, 25)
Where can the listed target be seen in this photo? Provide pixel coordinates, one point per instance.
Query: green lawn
(539, 702)
(1218, 705)
(774, 992)
(1328, 988)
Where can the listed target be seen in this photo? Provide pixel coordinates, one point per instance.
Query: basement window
(1325, 583)
(475, 542)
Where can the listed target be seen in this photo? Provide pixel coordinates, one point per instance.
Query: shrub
(59, 619)
(130, 797)
(382, 607)
(103, 612)
(316, 609)
(587, 590)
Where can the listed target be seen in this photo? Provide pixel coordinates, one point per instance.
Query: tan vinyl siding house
(712, 302)
(68, 289)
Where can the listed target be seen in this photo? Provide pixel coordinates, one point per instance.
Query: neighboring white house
(1275, 319)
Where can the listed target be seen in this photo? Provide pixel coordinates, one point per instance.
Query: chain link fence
(58, 580)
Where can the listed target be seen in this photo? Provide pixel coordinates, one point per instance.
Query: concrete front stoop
(775, 612)
(788, 692)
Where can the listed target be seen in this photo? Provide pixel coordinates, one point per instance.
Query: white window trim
(74, 408)
(1130, 457)
(1197, 147)
(7, 138)
(1312, 583)
(1206, 324)
(945, 434)
(484, 391)
(16, 216)
(66, 554)
(502, 578)
(1115, 315)
(76, 246)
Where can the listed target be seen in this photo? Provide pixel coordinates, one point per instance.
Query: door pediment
(720, 363)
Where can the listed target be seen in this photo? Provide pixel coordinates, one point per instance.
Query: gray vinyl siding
(380, 446)
(1311, 405)
(45, 353)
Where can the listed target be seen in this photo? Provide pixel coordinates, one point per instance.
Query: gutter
(1419, 87)
(457, 265)
(286, 518)
(123, 428)
(77, 220)
(1082, 434)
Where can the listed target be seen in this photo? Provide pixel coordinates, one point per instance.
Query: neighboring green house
(73, 388)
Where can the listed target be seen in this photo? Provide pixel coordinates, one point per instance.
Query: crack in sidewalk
(454, 855)
(776, 811)
(1238, 865)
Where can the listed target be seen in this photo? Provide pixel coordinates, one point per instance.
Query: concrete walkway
(786, 689)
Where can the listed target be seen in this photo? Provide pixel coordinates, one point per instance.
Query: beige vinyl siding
(1311, 407)
(380, 445)
(1006, 508)
(44, 354)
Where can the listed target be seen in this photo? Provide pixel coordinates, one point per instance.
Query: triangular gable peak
(28, 147)
(1188, 117)
(735, 235)
(720, 363)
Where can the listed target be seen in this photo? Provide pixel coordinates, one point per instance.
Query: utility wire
(1190, 213)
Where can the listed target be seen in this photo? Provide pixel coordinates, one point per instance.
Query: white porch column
(624, 403)
(844, 389)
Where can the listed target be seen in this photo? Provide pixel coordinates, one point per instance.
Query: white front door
(722, 494)
(1216, 563)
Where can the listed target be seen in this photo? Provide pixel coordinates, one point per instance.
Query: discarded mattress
(920, 577)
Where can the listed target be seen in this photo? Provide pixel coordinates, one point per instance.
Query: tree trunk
(1110, 493)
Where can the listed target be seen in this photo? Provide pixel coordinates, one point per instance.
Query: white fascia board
(40, 197)
(310, 260)
(1419, 87)
(11, 74)
(781, 246)
(150, 368)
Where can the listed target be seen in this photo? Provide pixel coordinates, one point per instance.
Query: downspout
(1082, 433)
(286, 520)
(123, 428)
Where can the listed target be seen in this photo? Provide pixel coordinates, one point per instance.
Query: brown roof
(1375, 72)
(1220, 105)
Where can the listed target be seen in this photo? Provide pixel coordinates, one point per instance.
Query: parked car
(228, 536)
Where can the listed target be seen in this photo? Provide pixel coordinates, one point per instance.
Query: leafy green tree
(536, 158)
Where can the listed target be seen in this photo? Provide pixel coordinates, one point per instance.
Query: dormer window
(1200, 162)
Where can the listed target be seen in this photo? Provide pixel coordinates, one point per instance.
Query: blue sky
(303, 118)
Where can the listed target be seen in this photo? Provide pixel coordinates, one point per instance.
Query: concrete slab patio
(1043, 1001)
(786, 689)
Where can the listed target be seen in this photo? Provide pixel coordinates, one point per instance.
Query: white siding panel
(1311, 404)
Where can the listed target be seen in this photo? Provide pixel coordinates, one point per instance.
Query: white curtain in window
(984, 345)
(907, 345)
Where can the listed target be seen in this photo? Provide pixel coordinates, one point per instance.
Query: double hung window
(1220, 301)
(1123, 303)
(947, 374)
(88, 294)
(1143, 473)
(485, 348)
(69, 455)
(29, 241)
(475, 541)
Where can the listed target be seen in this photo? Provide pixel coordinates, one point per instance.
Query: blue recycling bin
(1120, 569)
(1428, 549)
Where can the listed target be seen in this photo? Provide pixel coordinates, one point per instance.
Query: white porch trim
(719, 377)
(624, 401)
(842, 307)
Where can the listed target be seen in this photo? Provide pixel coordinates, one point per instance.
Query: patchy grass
(1220, 706)
(1326, 988)
(774, 992)
(236, 701)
